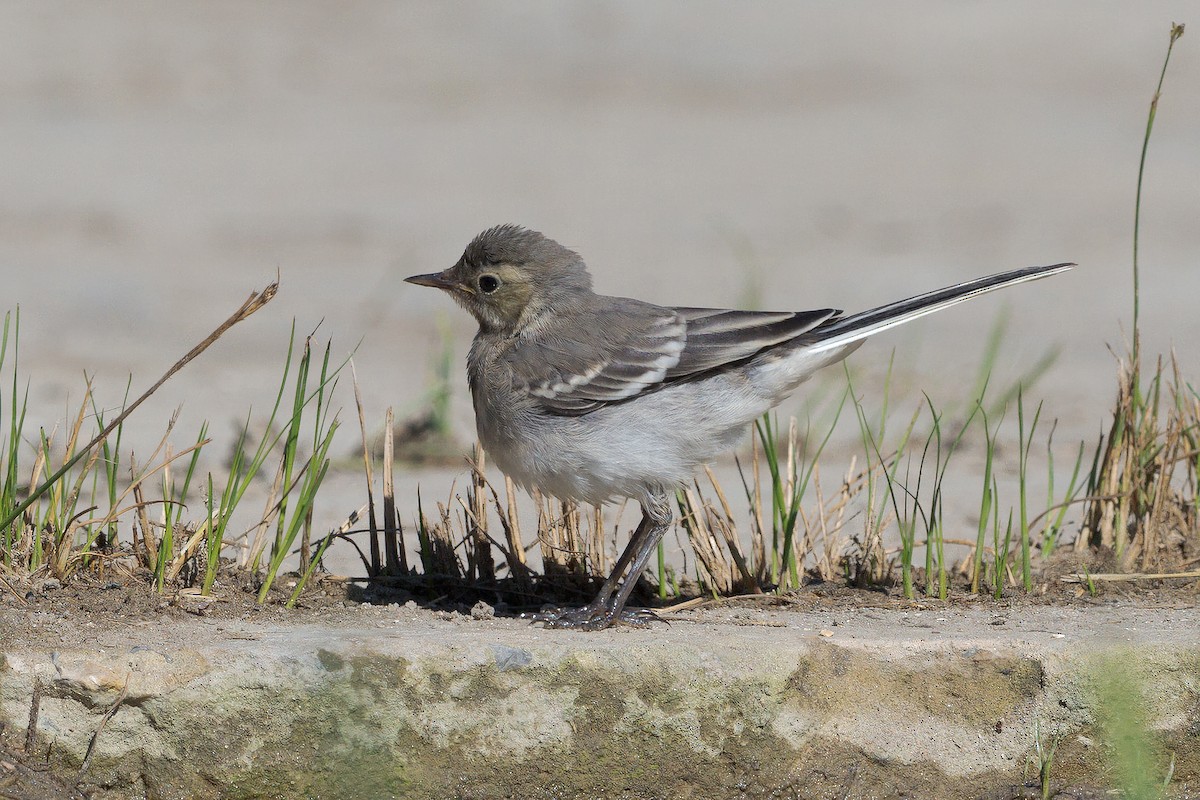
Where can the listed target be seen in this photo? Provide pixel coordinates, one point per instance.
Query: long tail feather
(847, 330)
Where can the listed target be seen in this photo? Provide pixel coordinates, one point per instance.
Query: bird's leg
(604, 610)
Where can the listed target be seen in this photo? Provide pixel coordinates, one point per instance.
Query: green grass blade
(1176, 32)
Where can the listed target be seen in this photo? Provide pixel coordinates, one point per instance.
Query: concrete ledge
(400, 702)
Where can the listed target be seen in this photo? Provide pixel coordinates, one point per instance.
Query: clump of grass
(703, 524)
(171, 544)
(870, 566)
(789, 482)
(1142, 488)
(989, 508)
(1024, 445)
(9, 480)
(1057, 505)
(56, 529)
(1043, 758)
(47, 530)
(924, 504)
(162, 554)
(301, 481)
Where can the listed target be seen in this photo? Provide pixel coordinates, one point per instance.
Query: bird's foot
(593, 617)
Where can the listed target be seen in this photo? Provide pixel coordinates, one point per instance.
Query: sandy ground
(163, 161)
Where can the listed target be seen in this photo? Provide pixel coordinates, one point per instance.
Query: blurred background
(163, 160)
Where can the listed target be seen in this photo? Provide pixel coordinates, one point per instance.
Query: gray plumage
(592, 398)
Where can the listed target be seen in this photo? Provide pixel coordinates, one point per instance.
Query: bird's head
(509, 276)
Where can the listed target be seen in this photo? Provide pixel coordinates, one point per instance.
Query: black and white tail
(842, 331)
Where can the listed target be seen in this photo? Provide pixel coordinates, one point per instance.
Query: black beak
(438, 280)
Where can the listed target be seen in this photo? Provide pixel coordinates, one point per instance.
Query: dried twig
(87, 758)
(16, 595)
(1112, 577)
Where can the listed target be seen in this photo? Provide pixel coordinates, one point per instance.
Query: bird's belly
(632, 450)
(560, 459)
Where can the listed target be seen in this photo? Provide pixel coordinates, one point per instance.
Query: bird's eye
(488, 283)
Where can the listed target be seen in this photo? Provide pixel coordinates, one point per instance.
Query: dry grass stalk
(559, 554)
(19, 597)
(306, 542)
(35, 708)
(372, 528)
(725, 524)
(514, 553)
(597, 552)
(441, 542)
(512, 526)
(40, 459)
(870, 564)
(694, 517)
(758, 545)
(1143, 493)
(829, 543)
(548, 545)
(149, 541)
(480, 560)
(573, 545)
(397, 559)
(761, 569)
(73, 441)
(195, 534)
(258, 543)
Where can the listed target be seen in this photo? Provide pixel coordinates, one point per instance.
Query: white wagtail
(592, 398)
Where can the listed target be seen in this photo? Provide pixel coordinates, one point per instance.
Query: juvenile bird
(593, 398)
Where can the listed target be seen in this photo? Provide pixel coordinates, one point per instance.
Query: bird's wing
(608, 352)
(718, 336)
(621, 348)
